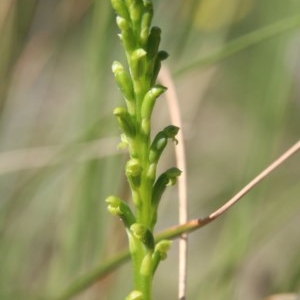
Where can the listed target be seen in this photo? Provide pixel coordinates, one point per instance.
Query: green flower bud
(133, 168)
(160, 252)
(136, 10)
(153, 42)
(137, 65)
(145, 126)
(122, 23)
(127, 36)
(149, 100)
(124, 142)
(135, 295)
(162, 248)
(120, 208)
(143, 234)
(138, 54)
(120, 8)
(123, 81)
(147, 265)
(146, 22)
(125, 121)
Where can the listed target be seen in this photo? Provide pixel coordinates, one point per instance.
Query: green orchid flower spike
(137, 84)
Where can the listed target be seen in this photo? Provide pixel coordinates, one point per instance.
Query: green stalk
(138, 88)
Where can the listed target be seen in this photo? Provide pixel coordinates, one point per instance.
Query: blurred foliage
(59, 159)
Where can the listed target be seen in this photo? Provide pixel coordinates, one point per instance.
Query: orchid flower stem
(137, 84)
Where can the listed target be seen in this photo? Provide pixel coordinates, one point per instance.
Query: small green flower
(120, 7)
(146, 22)
(133, 168)
(137, 63)
(122, 23)
(120, 208)
(123, 81)
(149, 100)
(162, 248)
(160, 141)
(133, 171)
(125, 121)
(127, 35)
(142, 233)
(136, 12)
(160, 252)
(168, 178)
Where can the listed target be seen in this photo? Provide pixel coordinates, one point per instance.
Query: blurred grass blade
(39, 157)
(244, 42)
(283, 297)
(88, 279)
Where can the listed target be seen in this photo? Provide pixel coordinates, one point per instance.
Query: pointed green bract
(153, 42)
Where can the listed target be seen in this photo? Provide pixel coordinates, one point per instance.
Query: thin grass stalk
(174, 111)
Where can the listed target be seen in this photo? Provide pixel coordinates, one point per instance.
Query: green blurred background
(59, 156)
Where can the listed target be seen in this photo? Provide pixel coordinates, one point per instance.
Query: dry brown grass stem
(175, 116)
(256, 180)
(194, 224)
